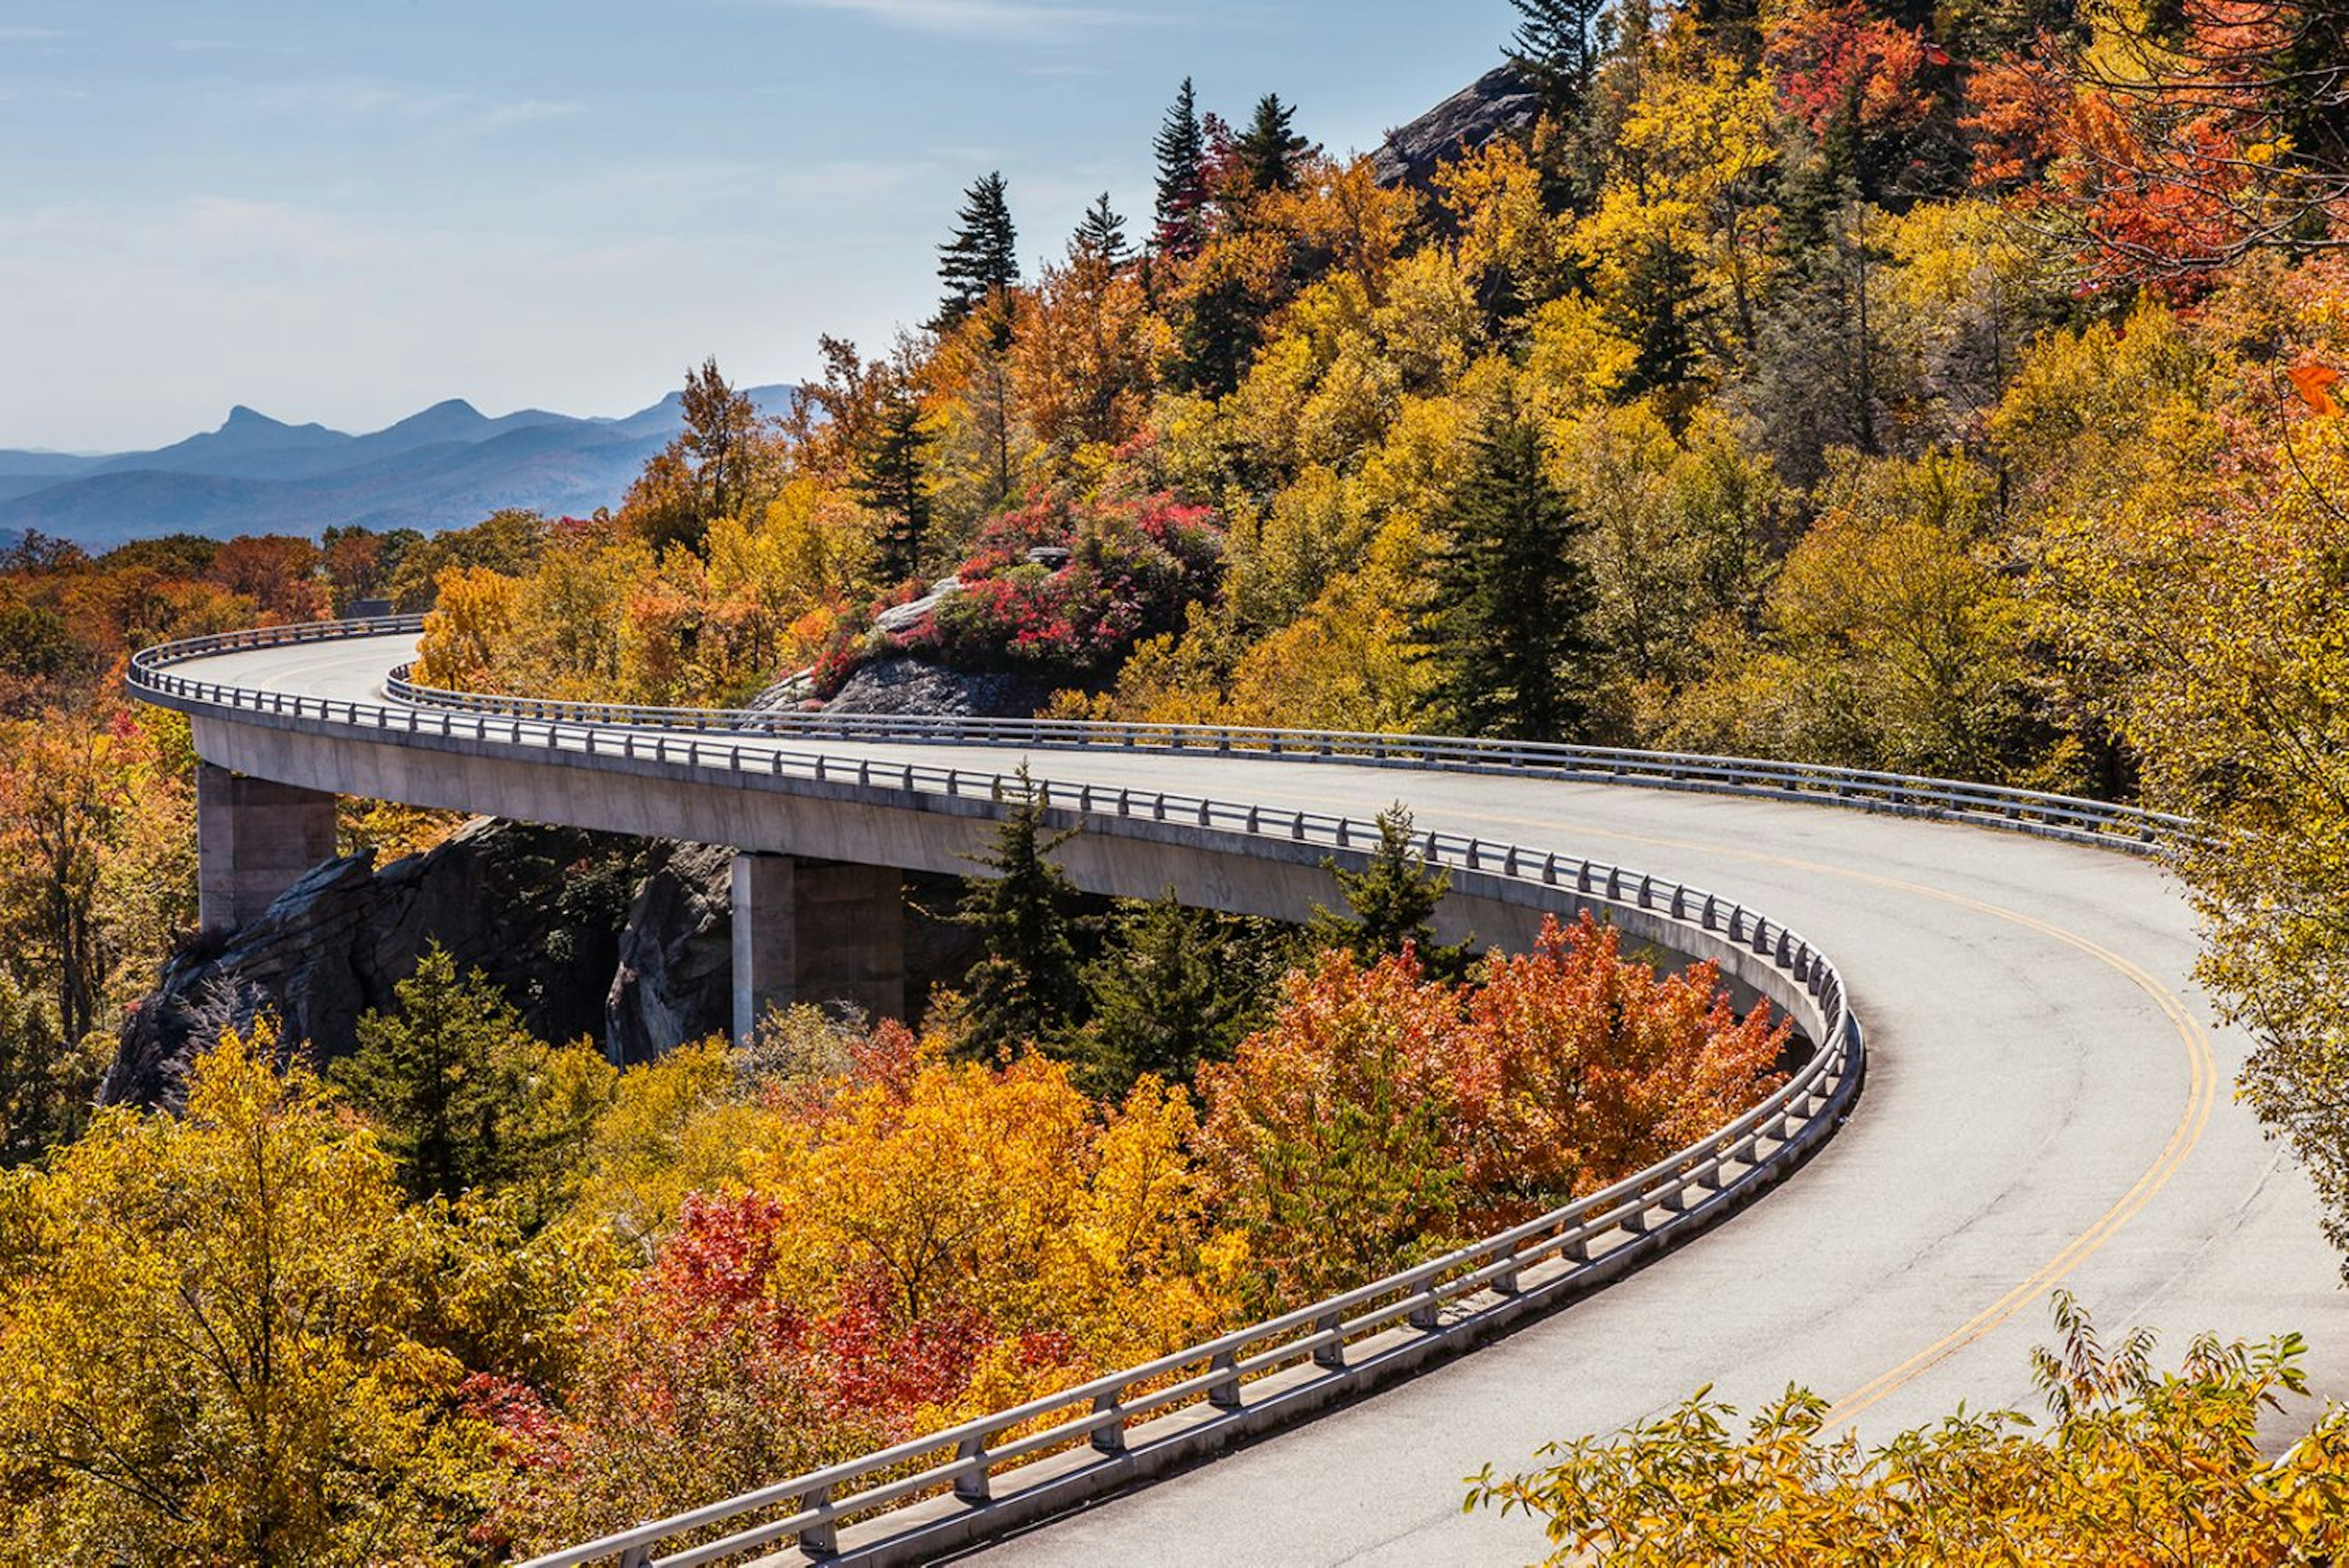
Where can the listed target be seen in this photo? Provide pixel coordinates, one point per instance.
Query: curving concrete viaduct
(2048, 1100)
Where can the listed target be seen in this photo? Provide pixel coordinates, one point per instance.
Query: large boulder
(908, 685)
(538, 909)
(1498, 103)
(628, 942)
(675, 980)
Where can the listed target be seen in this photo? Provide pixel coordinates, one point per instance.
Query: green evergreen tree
(1660, 315)
(1267, 150)
(1557, 48)
(980, 263)
(1217, 336)
(1175, 988)
(1101, 236)
(1181, 148)
(1391, 904)
(46, 1089)
(445, 1074)
(892, 478)
(1027, 989)
(1503, 622)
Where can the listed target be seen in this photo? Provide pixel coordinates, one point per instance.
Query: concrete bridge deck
(2048, 1102)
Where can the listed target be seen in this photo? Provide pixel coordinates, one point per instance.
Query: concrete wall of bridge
(255, 836)
(866, 827)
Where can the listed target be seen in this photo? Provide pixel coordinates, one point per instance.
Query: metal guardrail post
(1331, 1354)
(1224, 1394)
(971, 1482)
(1109, 1439)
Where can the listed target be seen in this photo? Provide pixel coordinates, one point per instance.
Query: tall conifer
(1267, 150)
(1504, 622)
(443, 1077)
(1101, 236)
(1181, 152)
(981, 262)
(892, 479)
(1027, 989)
(1556, 47)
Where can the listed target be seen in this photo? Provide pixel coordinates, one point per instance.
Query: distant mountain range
(449, 466)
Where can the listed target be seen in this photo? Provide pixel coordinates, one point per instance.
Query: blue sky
(343, 212)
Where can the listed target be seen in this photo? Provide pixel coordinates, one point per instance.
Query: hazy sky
(343, 212)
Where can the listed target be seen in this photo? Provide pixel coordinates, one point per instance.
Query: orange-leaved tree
(919, 1241)
(1383, 1115)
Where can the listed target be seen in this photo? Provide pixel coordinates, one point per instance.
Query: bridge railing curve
(2049, 815)
(993, 1473)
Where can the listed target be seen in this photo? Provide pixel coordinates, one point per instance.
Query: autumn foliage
(1386, 1113)
(696, 1276)
(1951, 389)
(2135, 1465)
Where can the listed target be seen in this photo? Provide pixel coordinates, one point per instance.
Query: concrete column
(816, 930)
(254, 840)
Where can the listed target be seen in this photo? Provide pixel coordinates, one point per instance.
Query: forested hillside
(1954, 390)
(1948, 389)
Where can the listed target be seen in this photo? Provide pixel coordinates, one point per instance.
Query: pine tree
(981, 262)
(1661, 311)
(1391, 904)
(1556, 47)
(1176, 988)
(1267, 150)
(892, 479)
(1504, 622)
(1027, 989)
(1181, 152)
(1101, 237)
(1217, 333)
(445, 1076)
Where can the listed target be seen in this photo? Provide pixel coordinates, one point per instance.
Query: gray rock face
(1495, 105)
(540, 910)
(674, 982)
(626, 942)
(905, 685)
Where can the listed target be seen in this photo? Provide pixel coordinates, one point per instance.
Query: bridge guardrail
(2035, 811)
(984, 1476)
(2075, 818)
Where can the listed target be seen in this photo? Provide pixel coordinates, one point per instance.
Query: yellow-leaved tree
(2135, 1466)
(225, 1338)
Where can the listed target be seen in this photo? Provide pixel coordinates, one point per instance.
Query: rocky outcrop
(626, 942)
(906, 685)
(1498, 103)
(674, 982)
(539, 909)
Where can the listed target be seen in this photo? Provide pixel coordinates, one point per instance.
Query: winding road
(2048, 1102)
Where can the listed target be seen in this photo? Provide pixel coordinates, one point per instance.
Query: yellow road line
(2201, 1097)
(2202, 1094)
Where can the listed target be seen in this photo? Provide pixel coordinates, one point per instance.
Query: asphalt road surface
(2049, 1102)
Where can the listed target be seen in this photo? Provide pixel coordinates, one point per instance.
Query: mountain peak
(451, 419)
(243, 418)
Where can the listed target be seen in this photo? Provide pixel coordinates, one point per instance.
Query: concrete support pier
(816, 930)
(254, 840)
